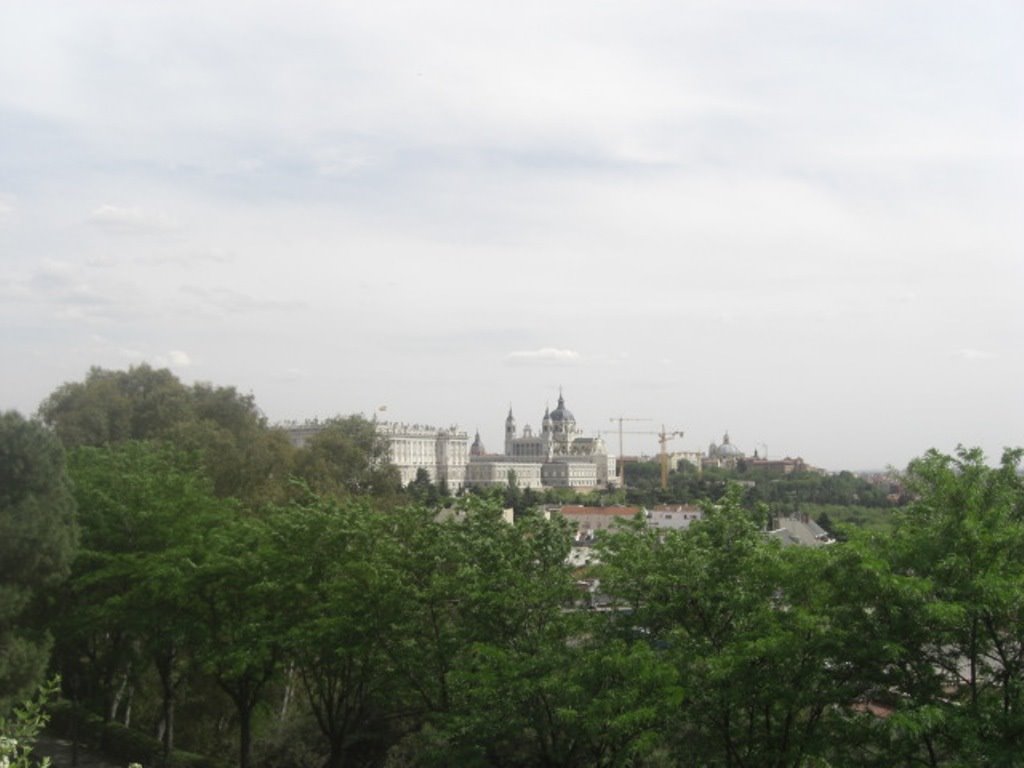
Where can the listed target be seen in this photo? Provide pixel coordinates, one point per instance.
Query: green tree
(569, 696)
(145, 509)
(112, 406)
(336, 559)
(954, 568)
(239, 605)
(244, 457)
(502, 668)
(19, 731)
(422, 489)
(37, 541)
(348, 457)
(751, 630)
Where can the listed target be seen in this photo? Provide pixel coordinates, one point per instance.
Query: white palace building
(558, 457)
(442, 452)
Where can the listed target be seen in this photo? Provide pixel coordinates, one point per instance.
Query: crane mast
(622, 462)
(663, 437)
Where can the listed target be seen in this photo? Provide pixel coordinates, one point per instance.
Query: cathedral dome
(561, 414)
(728, 450)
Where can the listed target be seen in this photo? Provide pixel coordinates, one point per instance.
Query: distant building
(677, 459)
(675, 517)
(442, 452)
(589, 520)
(799, 531)
(724, 456)
(559, 456)
(784, 466)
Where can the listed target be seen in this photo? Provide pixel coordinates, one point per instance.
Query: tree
(752, 631)
(145, 510)
(337, 562)
(112, 406)
(348, 457)
(244, 457)
(422, 489)
(18, 733)
(954, 568)
(239, 604)
(569, 696)
(37, 542)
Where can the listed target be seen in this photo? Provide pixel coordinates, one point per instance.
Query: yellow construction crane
(663, 437)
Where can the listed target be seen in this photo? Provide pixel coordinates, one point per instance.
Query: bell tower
(510, 431)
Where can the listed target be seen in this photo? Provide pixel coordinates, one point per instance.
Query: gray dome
(728, 449)
(561, 414)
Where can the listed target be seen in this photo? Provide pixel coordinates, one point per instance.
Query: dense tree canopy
(241, 454)
(301, 605)
(348, 457)
(37, 541)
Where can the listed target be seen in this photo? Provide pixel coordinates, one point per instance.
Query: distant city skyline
(798, 221)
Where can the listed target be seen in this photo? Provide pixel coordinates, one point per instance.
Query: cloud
(544, 356)
(179, 359)
(61, 284)
(293, 374)
(974, 354)
(334, 161)
(227, 300)
(113, 218)
(190, 257)
(6, 209)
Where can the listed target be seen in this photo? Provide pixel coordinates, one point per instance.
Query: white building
(443, 452)
(558, 457)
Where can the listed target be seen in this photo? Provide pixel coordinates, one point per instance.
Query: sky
(798, 221)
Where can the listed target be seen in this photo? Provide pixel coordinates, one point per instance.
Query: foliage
(19, 728)
(383, 634)
(238, 602)
(348, 457)
(242, 456)
(37, 540)
(955, 565)
(145, 510)
(112, 406)
(335, 562)
(785, 493)
(840, 519)
(750, 629)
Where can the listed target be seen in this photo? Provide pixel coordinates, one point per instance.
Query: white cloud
(228, 300)
(544, 356)
(114, 218)
(722, 185)
(190, 256)
(974, 354)
(293, 374)
(179, 359)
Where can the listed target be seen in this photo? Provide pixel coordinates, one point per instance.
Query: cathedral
(559, 456)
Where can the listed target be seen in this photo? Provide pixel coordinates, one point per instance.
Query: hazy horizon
(796, 221)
